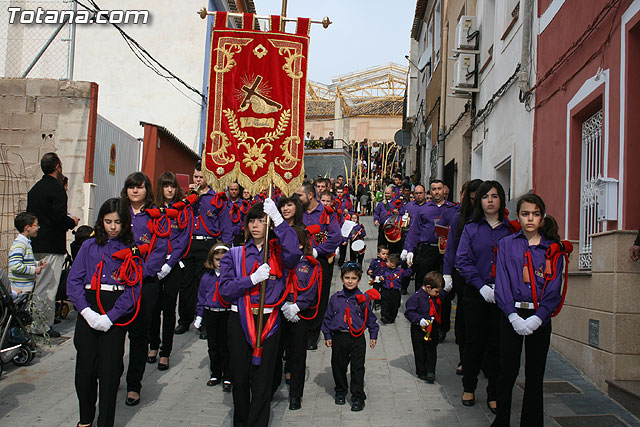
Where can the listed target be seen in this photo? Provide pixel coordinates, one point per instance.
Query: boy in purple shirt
(392, 276)
(423, 311)
(348, 315)
(375, 269)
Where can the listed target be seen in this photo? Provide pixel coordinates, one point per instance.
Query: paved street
(43, 394)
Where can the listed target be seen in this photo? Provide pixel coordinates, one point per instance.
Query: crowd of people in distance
(161, 259)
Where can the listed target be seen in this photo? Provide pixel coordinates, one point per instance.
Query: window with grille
(591, 146)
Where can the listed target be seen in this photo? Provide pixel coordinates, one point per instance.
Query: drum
(358, 246)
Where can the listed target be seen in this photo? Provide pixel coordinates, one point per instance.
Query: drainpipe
(444, 49)
(525, 59)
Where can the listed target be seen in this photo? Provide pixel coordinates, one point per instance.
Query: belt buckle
(255, 311)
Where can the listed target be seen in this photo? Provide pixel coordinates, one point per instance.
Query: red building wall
(567, 74)
(163, 152)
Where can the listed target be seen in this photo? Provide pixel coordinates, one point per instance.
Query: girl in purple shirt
(100, 343)
(528, 293)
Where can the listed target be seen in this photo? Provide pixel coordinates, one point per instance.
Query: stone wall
(38, 116)
(608, 296)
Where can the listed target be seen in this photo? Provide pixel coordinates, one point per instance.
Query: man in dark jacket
(48, 201)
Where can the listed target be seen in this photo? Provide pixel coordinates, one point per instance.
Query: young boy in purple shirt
(348, 315)
(392, 276)
(375, 269)
(423, 311)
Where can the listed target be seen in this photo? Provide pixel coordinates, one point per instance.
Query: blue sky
(364, 33)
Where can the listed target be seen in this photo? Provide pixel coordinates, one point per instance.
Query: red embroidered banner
(256, 105)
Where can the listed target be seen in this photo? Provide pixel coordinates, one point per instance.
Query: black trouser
(192, 274)
(356, 257)
(251, 383)
(168, 295)
(426, 258)
(294, 339)
(316, 323)
(347, 349)
(482, 325)
(342, 254)
(139, 334)
(536, 347)
(390, 304)
(458, 287)
(425, 352)
(216, 323)
(406, 280)
(98, 364)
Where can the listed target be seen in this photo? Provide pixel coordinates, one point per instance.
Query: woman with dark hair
(241, 272)
(475, 260)
(528, 300)
(452, 277)
(102, 301)
(168, 192)
(291, 210)
(137, 196)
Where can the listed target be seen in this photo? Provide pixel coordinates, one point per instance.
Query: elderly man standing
(48, 201)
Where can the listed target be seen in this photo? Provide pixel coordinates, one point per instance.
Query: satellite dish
(402, 138)
(425, 60)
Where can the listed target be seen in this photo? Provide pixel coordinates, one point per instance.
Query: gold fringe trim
(254, 187)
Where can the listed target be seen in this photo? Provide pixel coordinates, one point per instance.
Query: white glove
(315, 253)
(91, 317)
(103, 323)
(519, 324)
(294, 319)
(290, 311)
(164, 271)
(261, 274)
(448, 282)
(338, 251)
(533, 322)
(488, 294)
(271, 209)
(403, 255)
(410, 258)
(198, 322)
(424, 323)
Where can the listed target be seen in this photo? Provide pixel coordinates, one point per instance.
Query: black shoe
(493, 410)
(294, 403)
(459, 369)
(442, 336)
(403, 292)
(287, 379)
(384, 320)
(226, 386)
(152, 359)
(53, 333)
(340, 400)
(357, 405)
(423, 377)
(163, 366)
(469, 402)
(56, 321)
(203, 334)
(312, 346)
(430, 378)
(131, 401)
(180, 329)
(213, 381)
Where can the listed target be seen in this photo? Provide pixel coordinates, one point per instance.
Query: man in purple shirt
(422, 242)
(230, 215)
(325, 244)
(382, 212)
(410, 212)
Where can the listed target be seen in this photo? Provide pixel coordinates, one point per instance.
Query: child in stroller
(63, 307)
(16, 343)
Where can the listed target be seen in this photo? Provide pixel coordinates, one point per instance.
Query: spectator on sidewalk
(23, 267)
(47, 200)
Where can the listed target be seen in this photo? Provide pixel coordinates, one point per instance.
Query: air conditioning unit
(467, 33)
(464, 71)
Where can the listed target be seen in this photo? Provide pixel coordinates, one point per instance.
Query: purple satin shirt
(233, 284)
(412, 207)
(376, 266)
(334, 237)
(207, 296)
(475, 254)
(83, 269)
(393, 277)
(142, 234)
(357, 233)
(510, 287)
(304, 272)
(383, 211)
(179, 241)
(453, 240)
(334, 316)
(206, 218)
(229, 229)
(422, 228)
(418, 306)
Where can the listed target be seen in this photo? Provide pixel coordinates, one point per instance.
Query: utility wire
(148, 60)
